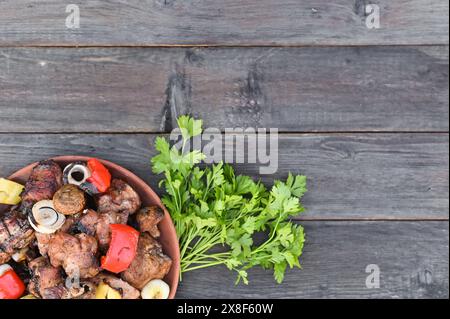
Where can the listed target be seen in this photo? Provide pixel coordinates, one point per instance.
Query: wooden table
(363, 112)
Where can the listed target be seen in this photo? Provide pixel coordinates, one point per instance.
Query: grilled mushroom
(69, 200)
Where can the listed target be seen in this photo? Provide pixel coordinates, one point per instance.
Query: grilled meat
(114, 207)
(58, 292)
(47, 283)
(44, 181)
(45, 278)
(88, 222)
(86, 290)
(120, 198)
(149, 263)
(43, 240)
(103, 230)
(15, 233)
(77, 254)
(148, 219)
(97, 225)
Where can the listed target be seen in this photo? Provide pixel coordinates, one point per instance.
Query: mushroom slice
(44, 218)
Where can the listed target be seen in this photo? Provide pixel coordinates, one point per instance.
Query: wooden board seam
(284, 133)
(216, 46)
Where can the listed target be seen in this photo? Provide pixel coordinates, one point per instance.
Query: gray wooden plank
(412, 258)
(217, 22)
(292, 89)
(351, 176)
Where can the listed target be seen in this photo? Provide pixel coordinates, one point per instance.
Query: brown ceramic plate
(168, 237)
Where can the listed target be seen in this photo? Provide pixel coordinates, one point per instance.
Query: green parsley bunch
(217, 214)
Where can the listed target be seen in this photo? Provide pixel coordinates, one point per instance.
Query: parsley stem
(204, 245)
(200, 259)
(186, 241)
(274, 231)
(205, 266)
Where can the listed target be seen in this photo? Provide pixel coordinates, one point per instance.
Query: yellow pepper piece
(101, 291)
(10, 192)
(104, 291)
(113, 294)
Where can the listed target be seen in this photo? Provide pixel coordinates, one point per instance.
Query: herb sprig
(212, 208)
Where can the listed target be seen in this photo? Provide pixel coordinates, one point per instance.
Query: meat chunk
(148, 219)
(47, 283)
(103, 231)
(15, 233)
(125, 289)
(120, 198)
(77, 254)
(86, 290)
(88, 222)
(57, 292)
(44, 279)
(97, 225)
(43, 240)
(149, 263)
(45, 179)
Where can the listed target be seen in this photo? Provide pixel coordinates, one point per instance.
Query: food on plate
(125, 289)
(10, 192)
(119, 198)
(70, 236)
(46, 281)
(15, 233)
(105, 291)
(11, 286)
(77, 254)
(98, 225)
(43, 240)
(148, 219)
(156, 289)
(150, 263)
(69, 200)
(122, 248)
(100, 176)
(44, 181)
(44, 218)
(20, 255)
(92, 177)
(76, 173)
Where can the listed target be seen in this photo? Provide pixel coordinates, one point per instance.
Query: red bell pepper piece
(122, 249)
(11, 286)
(100, 176)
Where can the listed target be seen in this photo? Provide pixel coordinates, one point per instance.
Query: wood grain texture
(351, 176)
(292, 89)
(217, 22)
(412, 257)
